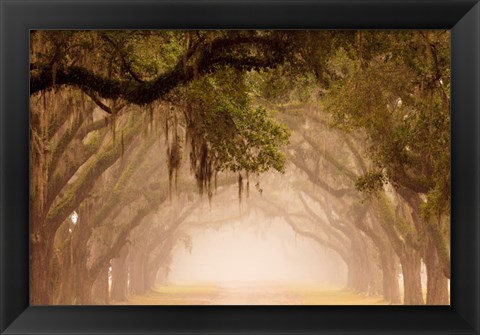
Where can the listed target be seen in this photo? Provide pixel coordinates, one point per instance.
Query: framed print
(229, 166)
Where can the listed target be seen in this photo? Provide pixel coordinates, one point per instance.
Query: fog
(254, 249)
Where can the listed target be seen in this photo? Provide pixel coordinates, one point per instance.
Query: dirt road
(252, 294)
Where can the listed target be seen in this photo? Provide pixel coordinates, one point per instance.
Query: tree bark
(391, 289)
(100, 288)
(150, 277)
(410, 260)
(137, 279)
(83, 282)
(357, 275)
(437, 283)
(66, 288)
(120, 276)
(361, 276)
(40, 272)
(83, 291)
(388, 262)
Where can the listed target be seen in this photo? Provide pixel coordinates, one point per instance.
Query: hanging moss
(240, 189)
(227, 132)
(173, 162)
(166, 129)
(174, 152)
(201, 163)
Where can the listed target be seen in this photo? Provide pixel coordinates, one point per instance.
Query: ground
(252, 294)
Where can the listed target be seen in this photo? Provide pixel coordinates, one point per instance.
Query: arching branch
(219, 52)
(80, 188)
(276, 210)
(337, 192)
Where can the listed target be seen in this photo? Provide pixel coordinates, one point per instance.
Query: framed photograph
(239, 167)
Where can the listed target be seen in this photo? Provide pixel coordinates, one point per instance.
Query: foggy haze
(244, 252)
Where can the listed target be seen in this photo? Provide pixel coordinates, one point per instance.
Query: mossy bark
(85, 182)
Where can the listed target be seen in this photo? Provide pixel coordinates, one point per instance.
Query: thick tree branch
(96, 100)
(58, 181)
(330, 158)
(339, 232)
(216, 53)
(80, 188)
(63, 143)
(316, 180)
(122, 56)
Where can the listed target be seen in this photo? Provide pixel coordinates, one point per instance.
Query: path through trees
(136, 136)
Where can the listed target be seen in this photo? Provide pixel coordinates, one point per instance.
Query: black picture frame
(17, 17)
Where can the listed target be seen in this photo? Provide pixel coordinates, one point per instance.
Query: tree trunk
(391, 289)
(120, 276)
(412, 284)
(66, 295)
(162, 274)
(151, 269)
(81, 252)
(437, 283)
(100, 288)
(40, 272)
(137, 280)
(83, 290)
(83, 282)
(357, 275)
(150, 275)
(388, 262)
(360, 268)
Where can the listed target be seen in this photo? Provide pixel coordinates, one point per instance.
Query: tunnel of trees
(344, 135)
